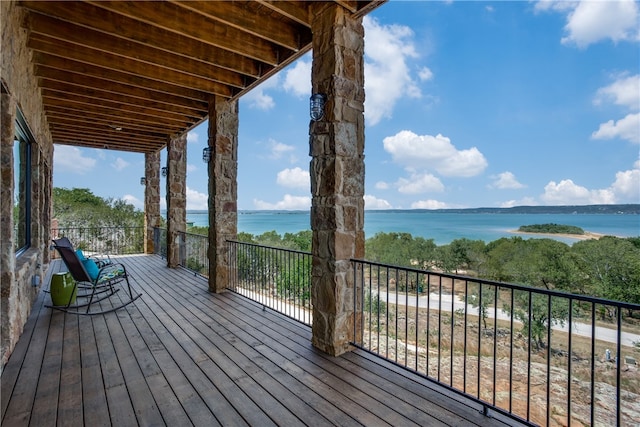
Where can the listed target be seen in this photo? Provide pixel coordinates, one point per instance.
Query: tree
(539, 263)
(461, 254)
(608, 267)
(401, 249)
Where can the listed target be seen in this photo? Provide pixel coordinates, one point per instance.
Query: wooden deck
(182, 356)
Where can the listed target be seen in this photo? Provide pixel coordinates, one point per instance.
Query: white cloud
(387, 77)
(297, 79)
(425, 74)
(294, 178)
(624, 189)
(289, 202)
(525, 201)
(505, 181)
(197, 200)
(191, 167)
(132, 200)
(625, 91)
(418, 152)
(627, 186)
(555, 5)
(119, 164)
(381, 185)
(419, 183)
(589, 22)
(372, 202)
(192, 138)
(566, 192)
(257, 97)
(278, 149)
(71, 159)
(428, 204)
(626, 128)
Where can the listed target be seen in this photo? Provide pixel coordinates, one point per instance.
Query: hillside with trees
(97, 224)
(80, 208)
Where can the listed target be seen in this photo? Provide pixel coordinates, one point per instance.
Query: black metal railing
(193, 253)
(160, 241)
(104, 240)
(276, 278)
(539, 356)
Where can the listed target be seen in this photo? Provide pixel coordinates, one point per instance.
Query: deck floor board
(181, 355)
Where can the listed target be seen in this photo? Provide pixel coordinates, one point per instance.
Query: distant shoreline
(586, 236)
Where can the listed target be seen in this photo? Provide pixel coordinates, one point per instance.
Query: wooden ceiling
(128, 75)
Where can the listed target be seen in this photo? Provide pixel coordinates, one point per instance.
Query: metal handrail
(104, 240)
(503, 345)
(276, 278)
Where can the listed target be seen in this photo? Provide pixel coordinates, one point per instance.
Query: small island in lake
(551, 229)
(557, 230)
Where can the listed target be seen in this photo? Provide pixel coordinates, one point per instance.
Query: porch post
(151, 199)
(7, 239)
(337, 173)
(176, 198)
(223, 188)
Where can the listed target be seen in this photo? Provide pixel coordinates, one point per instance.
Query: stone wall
(336, 145)
(223, 188)
(151, 199)
(176, 198)
(19, 90)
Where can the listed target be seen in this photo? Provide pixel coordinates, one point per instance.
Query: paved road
(580, 329)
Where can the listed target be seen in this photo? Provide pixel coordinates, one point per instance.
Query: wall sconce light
(316, 106)
(163, 171)
(143, 181)
(206, 154)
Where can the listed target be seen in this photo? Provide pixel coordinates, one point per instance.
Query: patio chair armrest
(101, 260)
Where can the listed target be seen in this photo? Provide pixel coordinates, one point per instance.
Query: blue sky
(469, 104)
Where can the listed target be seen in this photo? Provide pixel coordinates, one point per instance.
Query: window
(22, 143)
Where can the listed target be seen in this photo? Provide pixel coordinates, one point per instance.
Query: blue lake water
(439, 226)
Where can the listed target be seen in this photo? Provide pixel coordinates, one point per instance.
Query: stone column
(337, 173)
(176, 197)
(7, 241)
(151, 199)
(223, 188)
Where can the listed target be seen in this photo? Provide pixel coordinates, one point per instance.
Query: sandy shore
(587, 235)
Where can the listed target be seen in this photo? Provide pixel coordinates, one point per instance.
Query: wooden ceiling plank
(171, 18)
(89, 107)
(296, 10)
(108, 120)
(68, 123)
(91, 104)
(97, 95)
(76, 73)
(111, 62)
(71, 33)
(244, 17)
(87, 15)
(60, 115)
(142, 148)
(82, 121)
(110, 135)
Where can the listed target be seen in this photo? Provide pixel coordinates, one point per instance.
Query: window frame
(22, 134)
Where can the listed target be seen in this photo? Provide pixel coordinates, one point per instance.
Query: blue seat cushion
(91, 267)
(80, 255)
